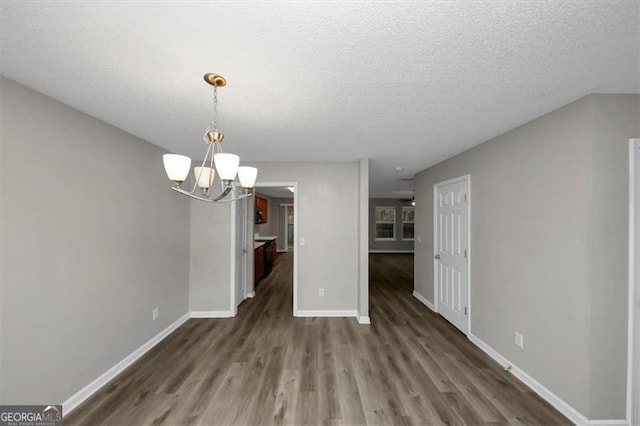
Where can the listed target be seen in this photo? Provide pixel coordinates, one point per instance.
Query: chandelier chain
(214, 120)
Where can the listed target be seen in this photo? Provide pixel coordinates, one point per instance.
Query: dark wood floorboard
(265, 367)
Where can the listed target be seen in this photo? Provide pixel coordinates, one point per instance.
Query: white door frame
(466, 178)
(633, 331)
(295, 234)
(233, 306)
(234, 221)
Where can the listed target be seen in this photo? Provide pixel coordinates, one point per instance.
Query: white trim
(296, 209)
(364, 320)
(469, 254)
(327, 313)
(251, 294)
(390, 251)
(233, 306)
(424, 301)
(83, 394)
(557, 402)
(634, 260)
(434, 248)
(362, 245)
(211, 314)
(462, 178)
(567, 410)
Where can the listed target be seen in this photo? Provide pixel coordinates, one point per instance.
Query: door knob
(437, 256)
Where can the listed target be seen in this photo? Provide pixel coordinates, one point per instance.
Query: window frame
(407, 209)
(386, 222)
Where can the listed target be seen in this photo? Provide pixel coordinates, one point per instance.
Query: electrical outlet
(302, 241)
(519, 340)
(321, 292)
(155, 313)
(419, 238)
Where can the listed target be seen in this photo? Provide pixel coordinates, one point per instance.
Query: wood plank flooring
(266, 367)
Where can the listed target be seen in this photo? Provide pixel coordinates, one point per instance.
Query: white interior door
(451, 249)
(241, 250)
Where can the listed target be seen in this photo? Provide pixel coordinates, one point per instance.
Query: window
(385, 223)
(407, 223)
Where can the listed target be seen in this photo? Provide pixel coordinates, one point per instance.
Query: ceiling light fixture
(226, 165)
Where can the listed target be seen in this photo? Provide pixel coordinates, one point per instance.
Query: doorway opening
(269, 235)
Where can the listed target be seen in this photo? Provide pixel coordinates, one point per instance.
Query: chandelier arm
(235, 197)
(217, 149)
(226, 192)
(204, 163)
(211, 164)
(218, 200)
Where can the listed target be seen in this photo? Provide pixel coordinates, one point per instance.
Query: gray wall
(548, 247)
(398, 244)
(92, 241)
(210, 256)
(615, 119)
(328, 220)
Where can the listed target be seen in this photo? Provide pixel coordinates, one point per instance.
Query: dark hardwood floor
(266, 367)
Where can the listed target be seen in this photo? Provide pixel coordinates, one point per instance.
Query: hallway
(266, 367)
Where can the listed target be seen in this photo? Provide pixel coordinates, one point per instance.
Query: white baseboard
(364, 320)
(424, 300)
(251, 294)
(79, 397)
(553, 399)
(390, 251)
(211, 314)
(327, 313)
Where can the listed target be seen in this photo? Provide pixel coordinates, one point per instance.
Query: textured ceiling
(405, 84)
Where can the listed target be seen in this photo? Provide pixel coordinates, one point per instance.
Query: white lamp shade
(176, 166)
(205, 176)
(226, 165)
(247, 176)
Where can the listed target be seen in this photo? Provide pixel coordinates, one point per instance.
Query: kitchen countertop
(265, 238)
(257, 244)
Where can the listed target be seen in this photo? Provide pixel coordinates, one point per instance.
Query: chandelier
(226, 165)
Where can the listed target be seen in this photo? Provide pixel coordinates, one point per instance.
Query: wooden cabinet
(274, 252)
(262, 210)
(259, 258)
(264, 258)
